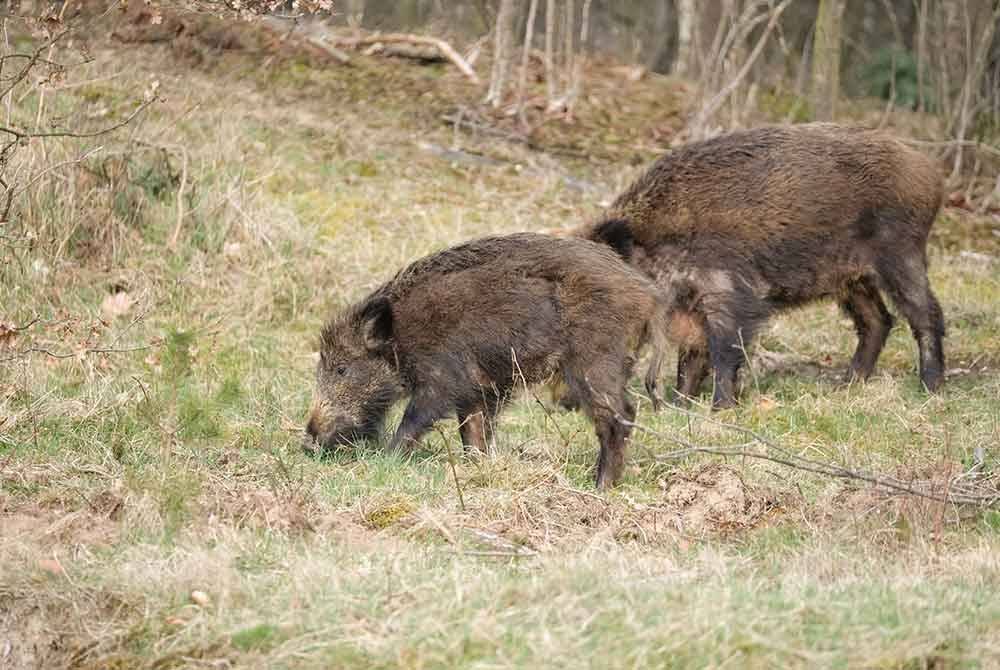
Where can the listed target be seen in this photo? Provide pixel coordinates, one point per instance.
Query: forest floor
(156, 509)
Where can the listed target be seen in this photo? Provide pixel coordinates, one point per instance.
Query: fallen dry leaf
(116, 304)
(766, 404)
(51, 566)
(7, 334)
(200, 598)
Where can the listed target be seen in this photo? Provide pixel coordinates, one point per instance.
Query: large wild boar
(457, 331)
(742, 226)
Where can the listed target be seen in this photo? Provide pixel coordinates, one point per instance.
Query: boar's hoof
(932, 381)
(310, 446)
(723, 402)
(679, 400)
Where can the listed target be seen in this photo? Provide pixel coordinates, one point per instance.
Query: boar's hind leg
(872, 322)
(601, 391)
(692, 368)
(476, 428)
(905, 277)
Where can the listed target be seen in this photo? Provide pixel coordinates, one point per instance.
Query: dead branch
(19, 137)
(27, 134)
(405, 38)
(72, 354)
(277, 27)
(330, 50)
(457, 156)
(458, 121)
(18, 329)
(956, 493)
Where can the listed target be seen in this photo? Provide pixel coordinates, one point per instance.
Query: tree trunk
(522, 81)
(503, 41)
(576, 76)
(687, 19)
(550, 35)
(826, 59)
(969, 98)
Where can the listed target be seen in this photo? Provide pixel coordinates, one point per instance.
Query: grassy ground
(156, 511)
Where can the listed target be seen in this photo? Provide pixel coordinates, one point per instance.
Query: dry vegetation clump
(156, 349)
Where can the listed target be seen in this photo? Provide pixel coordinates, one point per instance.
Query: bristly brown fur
(458, 331)
(747, 224)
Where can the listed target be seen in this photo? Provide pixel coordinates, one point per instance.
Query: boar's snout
(324, 435)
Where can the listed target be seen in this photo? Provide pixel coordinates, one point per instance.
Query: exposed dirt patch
(254, 507)
(299, 513)
(26, 637)
(554, 517)
(716, 499)
(40, 544)
(38, 630)
(42, 528)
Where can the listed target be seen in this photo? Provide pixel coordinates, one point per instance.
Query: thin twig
(26, 326)
(708, 110)
(73, 354)
(180, 199)
(782, 456)
(454, 472)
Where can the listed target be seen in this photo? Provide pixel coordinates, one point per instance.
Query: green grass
(132, 479)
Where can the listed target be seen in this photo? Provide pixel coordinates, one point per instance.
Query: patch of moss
(387, 513)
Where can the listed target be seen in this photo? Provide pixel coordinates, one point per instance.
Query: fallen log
(445, 49)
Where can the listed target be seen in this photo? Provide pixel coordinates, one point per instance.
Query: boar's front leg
(420, 415)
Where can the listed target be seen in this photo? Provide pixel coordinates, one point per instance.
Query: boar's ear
(616, 234)
(376, 323)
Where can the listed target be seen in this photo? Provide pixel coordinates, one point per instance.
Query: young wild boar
(742, 226)
(457, 331)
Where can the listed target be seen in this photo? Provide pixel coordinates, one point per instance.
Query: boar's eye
(341, 370)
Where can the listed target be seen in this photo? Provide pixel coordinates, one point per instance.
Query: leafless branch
(27, 134)
(33, 60)
(13, 193)
(71, 354)
(774, 453)
(696, 128)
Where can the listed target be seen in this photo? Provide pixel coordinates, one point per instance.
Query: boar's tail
(657, 329)
(617, 234)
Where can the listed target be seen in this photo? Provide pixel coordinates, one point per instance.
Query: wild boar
(458, 331)
(739, 227)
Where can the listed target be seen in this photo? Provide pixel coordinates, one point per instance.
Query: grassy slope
(129, 481)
